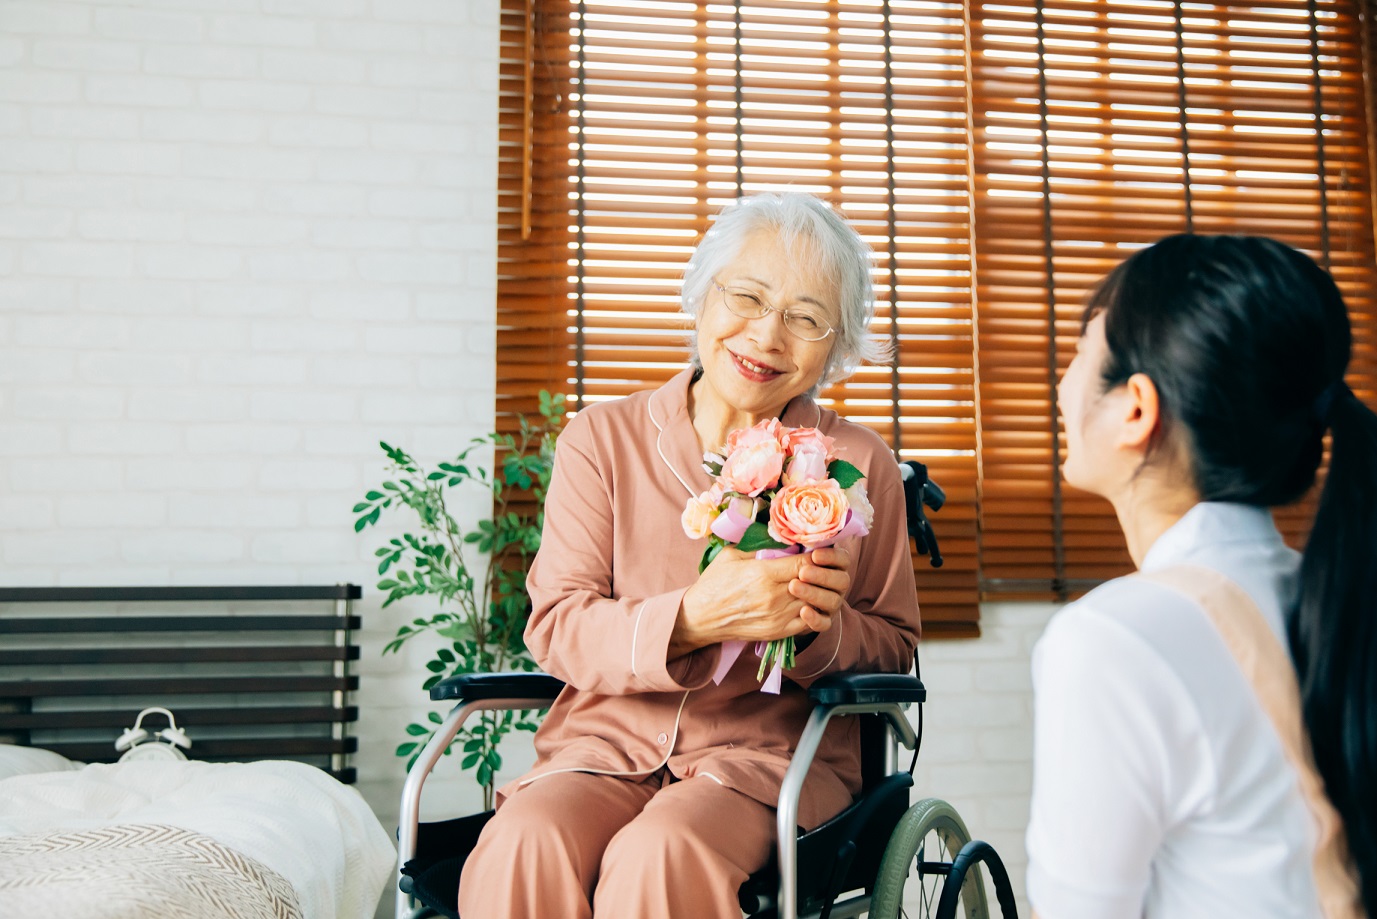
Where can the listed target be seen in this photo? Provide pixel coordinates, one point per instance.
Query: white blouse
(1160, 787)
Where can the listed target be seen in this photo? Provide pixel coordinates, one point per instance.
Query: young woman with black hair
(1205, 738)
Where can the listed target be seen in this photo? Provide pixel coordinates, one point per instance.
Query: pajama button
(662, 739)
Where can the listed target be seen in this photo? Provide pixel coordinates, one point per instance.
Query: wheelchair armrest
(867, 689)
(540, 688)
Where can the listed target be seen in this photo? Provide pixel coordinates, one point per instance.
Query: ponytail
(1333, 630)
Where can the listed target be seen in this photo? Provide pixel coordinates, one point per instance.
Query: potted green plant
(477, 576)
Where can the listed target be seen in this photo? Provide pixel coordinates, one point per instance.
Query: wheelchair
(860, 863)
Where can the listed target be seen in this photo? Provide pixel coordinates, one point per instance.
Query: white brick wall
(978, 735)
(241, 241)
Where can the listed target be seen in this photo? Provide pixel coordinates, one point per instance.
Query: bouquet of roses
(777, 491)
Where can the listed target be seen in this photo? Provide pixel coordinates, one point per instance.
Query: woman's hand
(741, 597)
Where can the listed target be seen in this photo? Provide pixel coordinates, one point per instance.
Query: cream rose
(699, 513)
(860, 503)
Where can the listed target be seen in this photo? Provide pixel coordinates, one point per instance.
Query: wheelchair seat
(837, 856)
(840, 855)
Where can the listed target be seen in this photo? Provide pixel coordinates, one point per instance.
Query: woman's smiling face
(756, 366)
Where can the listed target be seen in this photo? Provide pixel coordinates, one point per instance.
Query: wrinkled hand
(741, 597)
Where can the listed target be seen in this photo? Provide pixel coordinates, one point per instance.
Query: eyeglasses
(806, 324)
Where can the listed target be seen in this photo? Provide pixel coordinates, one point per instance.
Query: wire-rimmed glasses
(809, 325)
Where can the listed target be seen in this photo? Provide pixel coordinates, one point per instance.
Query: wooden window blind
(533, 192)
(679, 108)
(999, 157)
(1099, 128)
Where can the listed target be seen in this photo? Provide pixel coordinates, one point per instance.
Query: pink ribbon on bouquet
(731, 526)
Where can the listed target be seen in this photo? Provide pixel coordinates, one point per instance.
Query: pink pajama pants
(575, 846)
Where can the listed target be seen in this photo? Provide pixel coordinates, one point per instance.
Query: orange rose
(809, 515)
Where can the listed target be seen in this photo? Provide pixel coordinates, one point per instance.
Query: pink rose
(699, 514)
(761, 432)
(807, 465)
(810, 515)
(811, 437)
(750, 469)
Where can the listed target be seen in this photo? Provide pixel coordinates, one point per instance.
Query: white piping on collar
(659, 448)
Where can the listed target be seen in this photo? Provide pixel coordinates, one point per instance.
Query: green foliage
(483, 609)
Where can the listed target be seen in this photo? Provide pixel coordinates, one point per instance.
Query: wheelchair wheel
(928, 838)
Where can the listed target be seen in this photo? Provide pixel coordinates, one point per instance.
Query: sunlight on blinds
(1101, 127)
(1000, 157)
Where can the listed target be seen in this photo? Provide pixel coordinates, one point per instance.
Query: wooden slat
(187, 718)
(170, 594)
(33, 625)
(197, 685)
(177, 655)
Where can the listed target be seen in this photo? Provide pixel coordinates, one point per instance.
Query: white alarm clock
(137, 744)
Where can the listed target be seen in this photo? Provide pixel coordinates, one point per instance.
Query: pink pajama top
(613, 565)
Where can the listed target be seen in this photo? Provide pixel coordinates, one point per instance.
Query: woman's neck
(713, 419)
(1148, 509)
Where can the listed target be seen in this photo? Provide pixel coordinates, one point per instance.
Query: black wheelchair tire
(930, 820)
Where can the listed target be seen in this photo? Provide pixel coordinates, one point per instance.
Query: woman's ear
(1141, 413)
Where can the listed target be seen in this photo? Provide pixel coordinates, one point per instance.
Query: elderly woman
(654, 787)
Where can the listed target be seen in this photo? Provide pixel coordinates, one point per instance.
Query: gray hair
(808, 226)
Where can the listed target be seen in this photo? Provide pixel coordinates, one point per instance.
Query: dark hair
(1247, 341)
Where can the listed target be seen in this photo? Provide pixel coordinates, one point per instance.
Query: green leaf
(469, 761)
(435, 718)
(714, 548)
(360, 524)
(406, 748)
(417, 730)
(757, 537)
(845, 473)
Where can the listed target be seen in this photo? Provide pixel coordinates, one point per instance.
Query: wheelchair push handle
(919, 492)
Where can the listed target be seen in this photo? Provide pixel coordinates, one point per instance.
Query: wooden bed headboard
(249, 672)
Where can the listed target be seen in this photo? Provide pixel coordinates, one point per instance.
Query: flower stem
(781, 650)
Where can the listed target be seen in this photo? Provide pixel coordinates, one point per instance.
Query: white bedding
(316, 833)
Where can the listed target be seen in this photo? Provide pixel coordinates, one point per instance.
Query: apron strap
(1267, 666)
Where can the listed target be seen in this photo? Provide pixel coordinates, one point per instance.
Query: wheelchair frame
(839, 694)
(885, 695)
